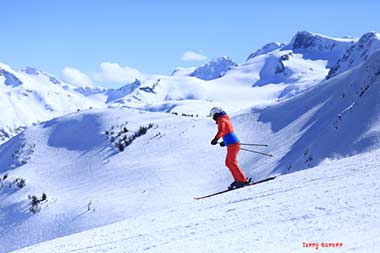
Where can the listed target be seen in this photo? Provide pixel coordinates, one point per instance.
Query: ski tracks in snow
(335, 202)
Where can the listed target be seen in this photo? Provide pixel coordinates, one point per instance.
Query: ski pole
(254, 144)
(260, 153)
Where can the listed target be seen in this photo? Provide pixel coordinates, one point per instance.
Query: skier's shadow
(78, 216)
(88, 210)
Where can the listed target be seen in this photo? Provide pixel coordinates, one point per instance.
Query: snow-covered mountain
(140, 161)
(85, 89)
(316, 46)
(90, 182)
(271, 73)
(30, 96)
(180, 71)
(214, 69)
(276, 71)
(267, 48)
(35, 72)
(114, 94)
(357, 53)
(337, 118)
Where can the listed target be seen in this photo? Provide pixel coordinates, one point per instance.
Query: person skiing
(230, 139)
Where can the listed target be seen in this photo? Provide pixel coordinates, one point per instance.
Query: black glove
(214, 141)
(222, 144)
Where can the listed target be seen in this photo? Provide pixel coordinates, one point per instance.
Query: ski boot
(239, 184)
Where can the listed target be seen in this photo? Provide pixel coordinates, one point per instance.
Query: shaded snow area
(334, 207)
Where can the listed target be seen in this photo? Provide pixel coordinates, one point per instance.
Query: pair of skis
(221, 192)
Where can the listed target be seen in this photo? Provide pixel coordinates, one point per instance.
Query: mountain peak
(303, 39)
(266, 49)
(115, 94)
(180, 71)
(370, 35)
(214, 69)
(31, 71)
(310, 40)
(10, 78)
(316, 46)
(35, 72)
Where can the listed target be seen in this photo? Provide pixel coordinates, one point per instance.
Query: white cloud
(193, 56)
(76, 77)
(113, 72)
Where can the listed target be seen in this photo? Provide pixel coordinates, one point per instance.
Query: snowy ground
(83, 166)
(337, 202)
(145, 194)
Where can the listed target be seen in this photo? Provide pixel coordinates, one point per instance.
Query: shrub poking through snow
(121, 137)
(22, 155)
(185, 114)
(121, 146)
(20, 182)
(125, 137)
(36, 202)
(2, 179)
(142, 130)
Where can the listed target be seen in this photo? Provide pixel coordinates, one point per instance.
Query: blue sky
(152, 36)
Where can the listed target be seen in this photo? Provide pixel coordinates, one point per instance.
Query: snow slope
(158, 170)
(336, 203)
(76, 161)
(73, 161)
(357, 53)
(337, 118)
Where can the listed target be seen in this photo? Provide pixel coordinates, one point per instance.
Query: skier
(232, 142)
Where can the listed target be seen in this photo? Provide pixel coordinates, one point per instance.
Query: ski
(221, 192)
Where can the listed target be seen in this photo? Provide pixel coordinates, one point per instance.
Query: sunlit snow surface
(144, 195)
(337, 202)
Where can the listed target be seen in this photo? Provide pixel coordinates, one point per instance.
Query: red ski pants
(232, 164)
